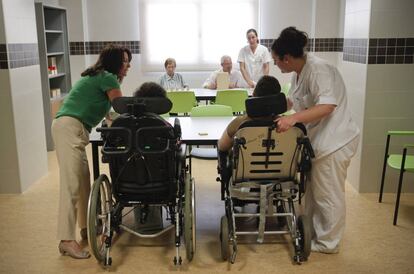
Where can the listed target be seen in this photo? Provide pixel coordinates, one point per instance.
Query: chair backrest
(233, 98)
(182, 101)
(142, 156)
(211, 111)
(260, 153)
(285, 88)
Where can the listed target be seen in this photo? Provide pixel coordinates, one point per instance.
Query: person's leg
(84, 187)
(326, 201)
(68, 135)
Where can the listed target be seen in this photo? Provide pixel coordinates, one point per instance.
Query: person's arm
(183, 84)
(225, 142)
(210, 83)
(309, 115)
(266, 69)
(113, 93)
(245, 74)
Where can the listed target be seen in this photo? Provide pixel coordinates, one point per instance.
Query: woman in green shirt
(83, 108)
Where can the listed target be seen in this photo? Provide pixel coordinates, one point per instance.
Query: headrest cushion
(266, 105)
(158, 105)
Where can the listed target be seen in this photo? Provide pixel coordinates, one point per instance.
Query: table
(195, 131)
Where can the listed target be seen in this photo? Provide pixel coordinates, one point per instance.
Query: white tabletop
(195, 130)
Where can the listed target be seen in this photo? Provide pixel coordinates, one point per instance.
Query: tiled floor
(371, 243)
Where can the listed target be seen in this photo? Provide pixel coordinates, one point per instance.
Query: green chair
(183, 101)
(207, 111)
(402, 162)
(234, 98)
(285, 88)
(211, 111)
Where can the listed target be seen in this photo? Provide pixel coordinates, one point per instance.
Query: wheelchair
(269, 170)
(147, 168)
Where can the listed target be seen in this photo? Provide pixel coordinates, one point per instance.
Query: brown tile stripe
(379, 50)
(18, 55)
(95, 47)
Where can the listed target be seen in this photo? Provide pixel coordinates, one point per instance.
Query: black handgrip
(114, 150)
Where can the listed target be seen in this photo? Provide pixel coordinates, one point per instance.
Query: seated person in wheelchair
(149, 219)
(266, 86)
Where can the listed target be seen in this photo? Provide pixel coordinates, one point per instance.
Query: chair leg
(189, 160)
(397, 203)
(384, 168)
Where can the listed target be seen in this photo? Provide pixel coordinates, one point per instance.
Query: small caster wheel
(180, 261)
(175, 260)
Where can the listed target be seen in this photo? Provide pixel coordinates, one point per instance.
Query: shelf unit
(52, 34)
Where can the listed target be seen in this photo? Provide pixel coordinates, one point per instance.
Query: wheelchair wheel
(99, 208)
(189, 218)
(304, 230)
(224, 237)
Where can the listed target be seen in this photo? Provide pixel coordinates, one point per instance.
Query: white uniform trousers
(325, 198)
(71, 138)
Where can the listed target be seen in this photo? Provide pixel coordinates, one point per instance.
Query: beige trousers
(71, 138)
(325, 197)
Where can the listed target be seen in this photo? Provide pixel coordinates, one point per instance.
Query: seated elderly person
(150, 89)
(235, 77)
(171, 80)
(266, 86)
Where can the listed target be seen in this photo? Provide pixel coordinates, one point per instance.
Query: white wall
(389, 96)
(356, 25)
(23, 145)
(121, 22)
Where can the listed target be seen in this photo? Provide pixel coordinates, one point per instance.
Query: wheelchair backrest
(142, 156)
(260, 153)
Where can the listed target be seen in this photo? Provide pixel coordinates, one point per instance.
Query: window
(194, 32)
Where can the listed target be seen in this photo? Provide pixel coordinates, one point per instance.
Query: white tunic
(254, 61)
(235, 78)
(321, 83)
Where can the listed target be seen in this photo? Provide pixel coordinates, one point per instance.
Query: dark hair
(110, 59)
(252, 30)
(267, 86)
(150, 89)
(291, 41)
(170, 61)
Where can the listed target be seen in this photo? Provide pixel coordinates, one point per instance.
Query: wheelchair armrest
(182, 153)
(116, 150)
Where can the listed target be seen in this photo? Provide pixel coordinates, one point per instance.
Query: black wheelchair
(269, 170)
(147, 168)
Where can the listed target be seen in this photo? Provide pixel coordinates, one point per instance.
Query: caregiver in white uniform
(254, 59)
(318, 96)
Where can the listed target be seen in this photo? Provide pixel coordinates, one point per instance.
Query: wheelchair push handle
(307, 146)
(118, 150)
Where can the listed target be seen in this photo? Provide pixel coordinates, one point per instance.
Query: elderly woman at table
(171, 80)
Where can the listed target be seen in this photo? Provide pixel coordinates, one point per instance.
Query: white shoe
(321, 249)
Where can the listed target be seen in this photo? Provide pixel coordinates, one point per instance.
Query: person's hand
(284, 123)
(231, 85)
(251, 84)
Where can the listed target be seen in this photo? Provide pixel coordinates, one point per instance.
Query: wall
(23, 156)
(275, 15)
(389, 90)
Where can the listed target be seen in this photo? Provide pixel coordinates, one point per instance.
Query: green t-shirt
(87, 101)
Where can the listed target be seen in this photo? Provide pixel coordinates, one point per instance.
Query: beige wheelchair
(267, 169)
